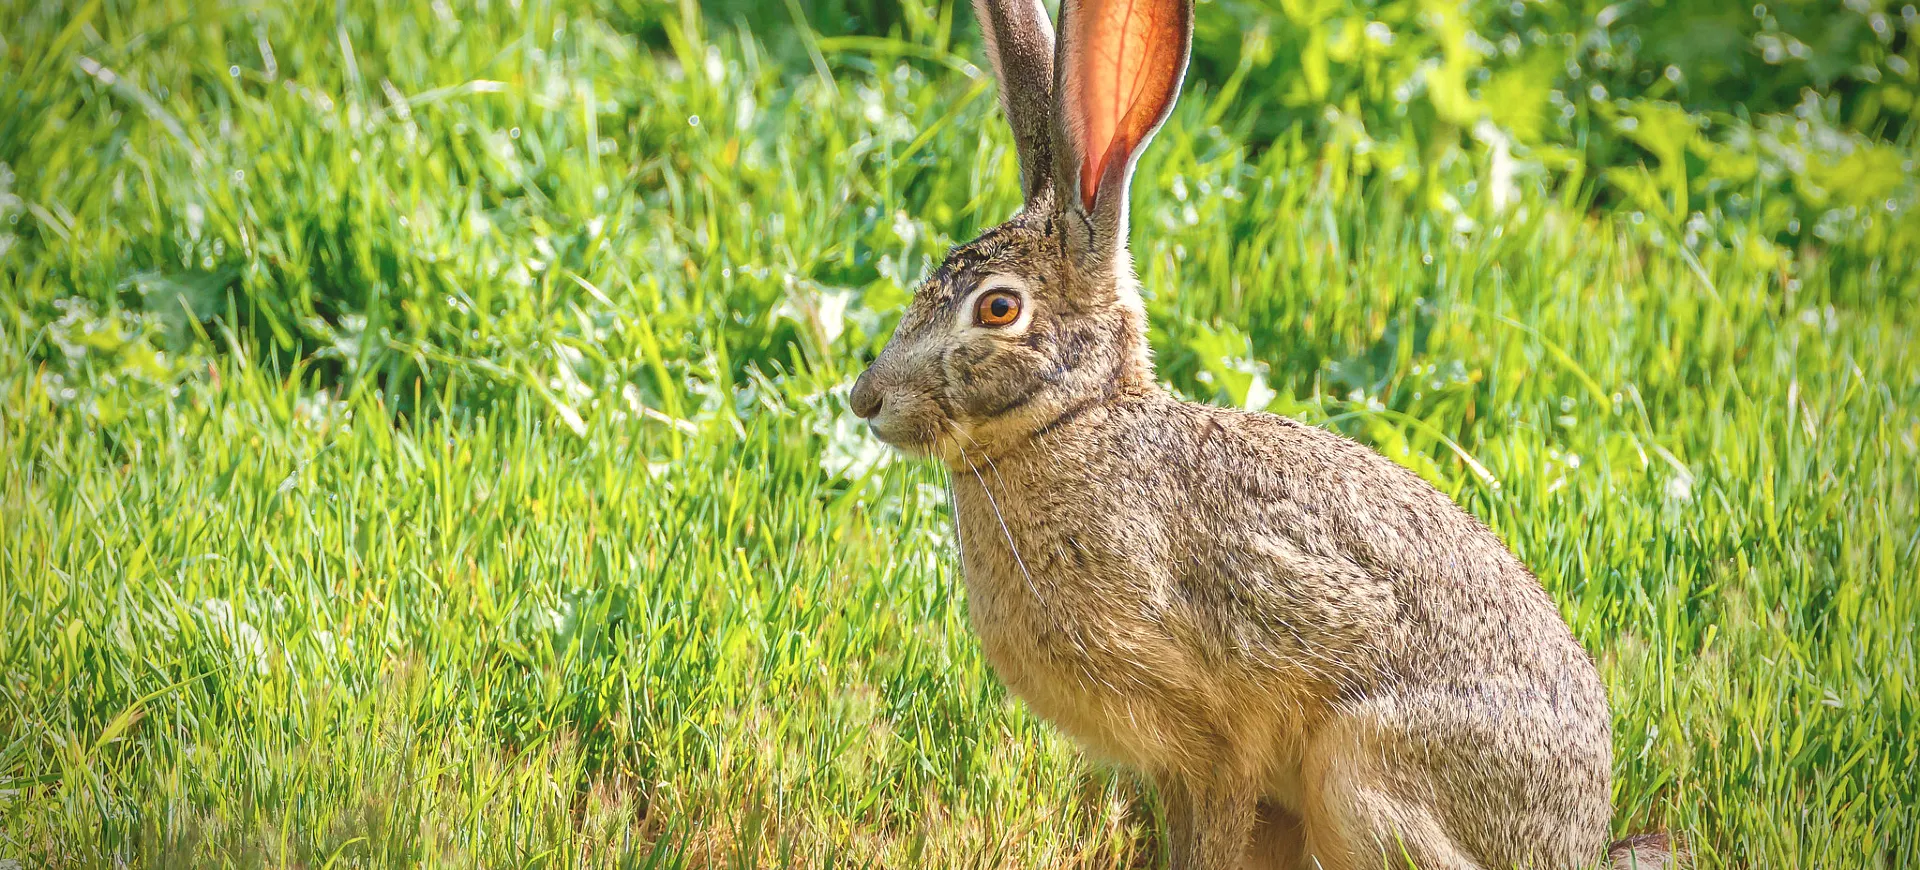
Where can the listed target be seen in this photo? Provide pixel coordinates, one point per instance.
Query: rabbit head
(1040, 318)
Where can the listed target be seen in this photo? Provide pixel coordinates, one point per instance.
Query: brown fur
(1315, 655)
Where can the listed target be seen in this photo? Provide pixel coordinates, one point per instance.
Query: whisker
(995, 505)
(1032, 588)
(991, 465)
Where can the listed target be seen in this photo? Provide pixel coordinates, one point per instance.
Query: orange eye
(997, 308)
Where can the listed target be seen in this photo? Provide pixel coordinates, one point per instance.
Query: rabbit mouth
(907, 436)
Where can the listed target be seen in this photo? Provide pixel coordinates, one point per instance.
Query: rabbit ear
(1020, 45)
(1120, 65)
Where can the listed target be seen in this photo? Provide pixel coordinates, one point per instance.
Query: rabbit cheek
(994, 382)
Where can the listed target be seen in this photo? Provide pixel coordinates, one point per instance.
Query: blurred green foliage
(1765, 127)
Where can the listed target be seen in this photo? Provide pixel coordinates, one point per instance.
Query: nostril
(865, 400)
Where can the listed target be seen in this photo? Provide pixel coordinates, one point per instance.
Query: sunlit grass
(442, 457)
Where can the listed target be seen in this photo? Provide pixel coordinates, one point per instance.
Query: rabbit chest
(1071, 614)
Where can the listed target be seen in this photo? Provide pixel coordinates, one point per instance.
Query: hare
(1317, 658)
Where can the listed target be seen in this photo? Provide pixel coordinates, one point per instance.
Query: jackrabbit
(1318, 659)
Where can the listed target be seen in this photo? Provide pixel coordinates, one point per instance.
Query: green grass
(442, 457)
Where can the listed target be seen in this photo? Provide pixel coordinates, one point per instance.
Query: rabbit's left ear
(1119, 68)
(1020, 47)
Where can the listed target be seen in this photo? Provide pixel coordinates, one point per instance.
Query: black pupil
(1000, 307)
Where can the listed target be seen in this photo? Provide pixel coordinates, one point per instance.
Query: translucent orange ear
(1121, 62)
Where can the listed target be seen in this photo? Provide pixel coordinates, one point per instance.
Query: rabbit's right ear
(1020, 46)
(1119, 70)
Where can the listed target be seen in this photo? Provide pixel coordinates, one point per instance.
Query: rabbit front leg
(1209, 821)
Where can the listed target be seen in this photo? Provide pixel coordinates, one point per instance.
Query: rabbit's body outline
(1319, 659)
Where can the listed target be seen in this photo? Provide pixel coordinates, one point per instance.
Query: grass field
(425, 441)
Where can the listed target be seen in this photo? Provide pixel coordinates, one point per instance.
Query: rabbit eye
(997, 308)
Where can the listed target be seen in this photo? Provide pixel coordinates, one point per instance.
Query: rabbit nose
(866, 399)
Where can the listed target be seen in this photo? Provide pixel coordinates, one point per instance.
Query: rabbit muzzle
(901, 413)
